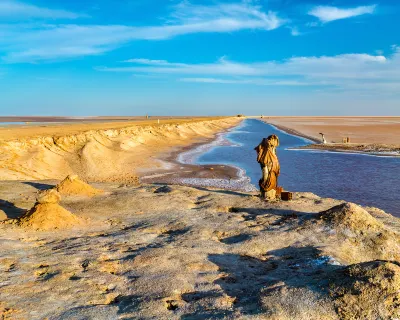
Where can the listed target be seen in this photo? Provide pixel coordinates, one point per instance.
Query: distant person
(323, 140)
(268, 160)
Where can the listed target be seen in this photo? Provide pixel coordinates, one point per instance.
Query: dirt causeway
(367, 130)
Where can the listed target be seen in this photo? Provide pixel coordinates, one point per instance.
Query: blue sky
(135, 57)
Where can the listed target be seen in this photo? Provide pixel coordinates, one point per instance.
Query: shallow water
(3, 124)
(363, 179)
(7, 124)
(60, 121)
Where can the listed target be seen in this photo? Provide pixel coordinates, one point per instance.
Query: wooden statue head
(273, 141)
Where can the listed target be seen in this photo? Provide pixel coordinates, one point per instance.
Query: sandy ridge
(101, 155)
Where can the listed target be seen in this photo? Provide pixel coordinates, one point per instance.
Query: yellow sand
(48, 216)
(113, 153)
(72, 185)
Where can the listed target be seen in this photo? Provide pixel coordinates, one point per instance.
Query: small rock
(164, 189)
(85, 265)
(171, 305)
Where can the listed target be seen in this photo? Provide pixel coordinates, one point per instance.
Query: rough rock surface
(369, 290)
(351, 216)
(359, 235)
(195, 253)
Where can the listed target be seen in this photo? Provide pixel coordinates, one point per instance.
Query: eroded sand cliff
(102, 154)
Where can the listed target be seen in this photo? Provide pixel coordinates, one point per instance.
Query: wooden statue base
(277, 194)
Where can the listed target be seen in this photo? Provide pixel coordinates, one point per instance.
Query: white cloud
(346, 65)
(253, 81)
(231, 15)
(294, 31)
(153, 62)
(346, 71)
(328, 13)
(51, 53)
(49, 42)
(10, 9)
(212, 80)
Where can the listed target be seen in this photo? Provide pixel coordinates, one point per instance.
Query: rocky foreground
(174, 252)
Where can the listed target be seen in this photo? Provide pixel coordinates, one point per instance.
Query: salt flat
(379, 130)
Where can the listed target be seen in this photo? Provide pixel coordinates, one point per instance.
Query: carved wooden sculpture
(268, 160)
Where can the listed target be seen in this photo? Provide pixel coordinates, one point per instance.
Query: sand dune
(112, 154)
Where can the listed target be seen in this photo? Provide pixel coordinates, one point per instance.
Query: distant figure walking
(268, 160)
(323, 138)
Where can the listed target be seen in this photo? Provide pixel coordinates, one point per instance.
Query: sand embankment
(374, 135)
(98, 151)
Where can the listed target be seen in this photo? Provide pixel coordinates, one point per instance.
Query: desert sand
(109, 151)
(116, 248)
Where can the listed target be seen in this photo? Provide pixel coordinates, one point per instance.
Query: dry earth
(374, 135)
(175, 252)
(361, 130)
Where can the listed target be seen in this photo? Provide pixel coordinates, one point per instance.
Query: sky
(199, 57)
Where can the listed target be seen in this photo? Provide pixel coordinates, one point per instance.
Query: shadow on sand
(39, 186)
(11, 211)
(248, 279)
(220, 191)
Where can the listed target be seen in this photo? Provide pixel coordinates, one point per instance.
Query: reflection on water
(367, 180)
